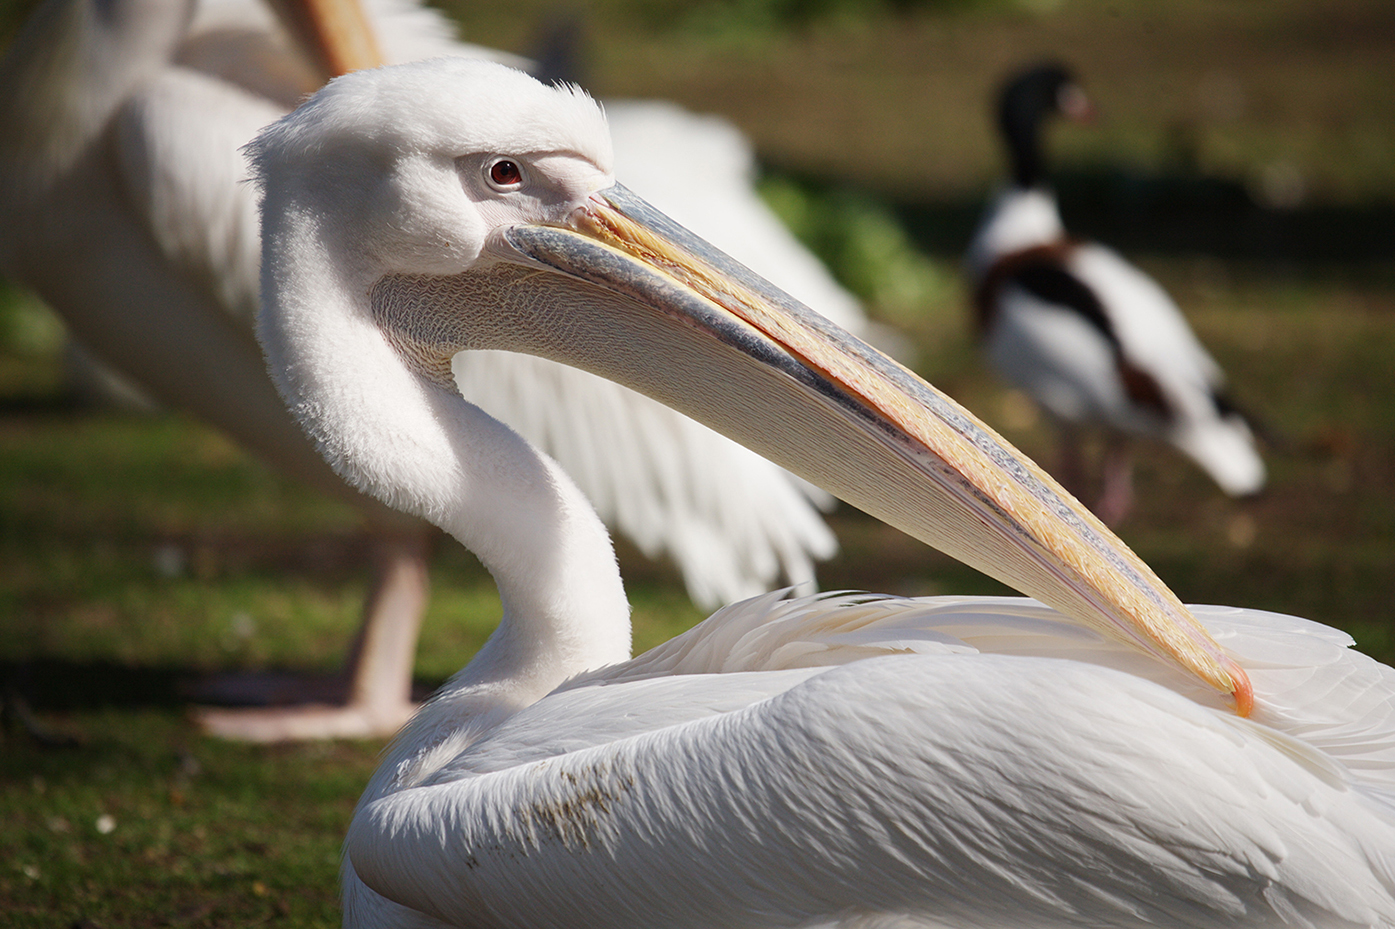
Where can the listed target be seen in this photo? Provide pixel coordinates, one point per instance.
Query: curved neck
(420, 447)
(1020, 121)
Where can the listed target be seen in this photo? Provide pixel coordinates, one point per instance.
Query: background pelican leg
(1116, 493)
(371, 695)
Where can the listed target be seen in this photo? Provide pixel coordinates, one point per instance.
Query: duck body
(1096, 341)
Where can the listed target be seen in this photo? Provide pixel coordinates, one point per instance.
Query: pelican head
(456, 205)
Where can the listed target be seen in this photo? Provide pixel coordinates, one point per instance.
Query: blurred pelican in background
(125, 208)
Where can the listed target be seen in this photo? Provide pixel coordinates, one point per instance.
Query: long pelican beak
(646, 303)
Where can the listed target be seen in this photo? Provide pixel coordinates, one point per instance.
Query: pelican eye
(505, 174)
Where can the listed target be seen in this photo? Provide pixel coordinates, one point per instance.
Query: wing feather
(189, 183)
(734, 523)
(980, 790)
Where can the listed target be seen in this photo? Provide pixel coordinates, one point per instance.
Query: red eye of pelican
(505, 173)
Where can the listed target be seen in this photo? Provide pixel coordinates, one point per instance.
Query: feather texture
(1131, 796)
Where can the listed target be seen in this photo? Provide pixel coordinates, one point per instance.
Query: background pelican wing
(178, 116)
(734, 523)
(205, 222)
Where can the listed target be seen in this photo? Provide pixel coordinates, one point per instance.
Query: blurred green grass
(136, 549)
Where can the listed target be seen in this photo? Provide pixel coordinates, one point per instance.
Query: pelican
(1081, 759)
(1094, 340)
(125, 207)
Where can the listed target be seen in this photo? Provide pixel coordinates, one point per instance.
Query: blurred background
(1244, 156)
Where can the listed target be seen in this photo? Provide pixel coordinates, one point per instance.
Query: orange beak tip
(1244, 692)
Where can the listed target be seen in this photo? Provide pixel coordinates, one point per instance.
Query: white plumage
(842, 760)
(991, 769)
(1090, 337)
(126, 207)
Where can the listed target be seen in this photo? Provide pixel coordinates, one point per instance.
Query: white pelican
(1088, 336)
(846, 760)
(125, 207)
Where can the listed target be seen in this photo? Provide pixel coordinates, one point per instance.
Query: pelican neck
(422, 448)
